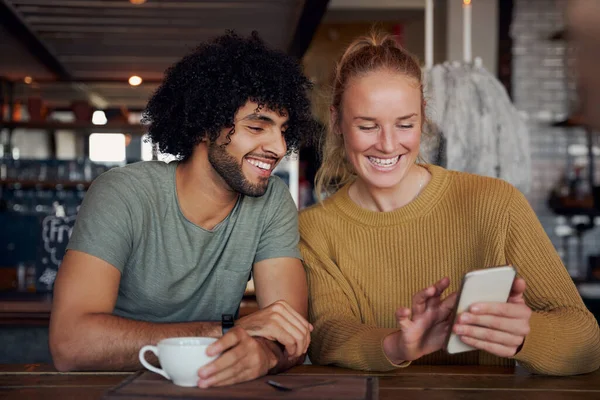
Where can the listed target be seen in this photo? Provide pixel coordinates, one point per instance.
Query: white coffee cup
(180, 358)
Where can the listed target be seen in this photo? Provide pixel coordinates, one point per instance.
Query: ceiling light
(135, 80)
(99, 118)
(28, 80)
(137, 2)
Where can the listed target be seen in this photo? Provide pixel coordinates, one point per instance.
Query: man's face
(584, 32)
(246, 158)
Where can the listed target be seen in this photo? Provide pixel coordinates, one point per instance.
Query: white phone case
(483, 285)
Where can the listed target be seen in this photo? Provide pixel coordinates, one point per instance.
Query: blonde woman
(392, 227)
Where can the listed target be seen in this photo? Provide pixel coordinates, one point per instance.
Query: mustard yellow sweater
(363, 265)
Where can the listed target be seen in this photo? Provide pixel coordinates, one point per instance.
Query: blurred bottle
(21, 277)
(30, 278)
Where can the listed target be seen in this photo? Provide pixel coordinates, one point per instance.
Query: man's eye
(366, 128)
(256, 128)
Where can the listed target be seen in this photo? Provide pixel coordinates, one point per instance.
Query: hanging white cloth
(482, 132)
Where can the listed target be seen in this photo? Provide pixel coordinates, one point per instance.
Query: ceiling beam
(14, 24)
(307, 25)
(189, 5)
(377, 4)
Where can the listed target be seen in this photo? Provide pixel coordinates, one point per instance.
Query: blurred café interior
(75, 76)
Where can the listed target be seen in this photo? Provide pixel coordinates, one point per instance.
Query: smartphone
(479, 286)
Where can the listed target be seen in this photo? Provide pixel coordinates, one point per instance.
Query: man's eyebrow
(264, 118)
(259, 117)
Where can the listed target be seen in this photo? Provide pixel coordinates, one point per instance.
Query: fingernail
(459, 329)
(475, 309)
(205, 373)
(465, 318)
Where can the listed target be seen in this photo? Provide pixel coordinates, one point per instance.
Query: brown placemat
(149, 386)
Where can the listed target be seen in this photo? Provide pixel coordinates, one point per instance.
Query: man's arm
(255, 346)
(84, 335)
(283, 279)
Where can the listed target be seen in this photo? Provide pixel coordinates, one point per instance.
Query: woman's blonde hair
(374, 52)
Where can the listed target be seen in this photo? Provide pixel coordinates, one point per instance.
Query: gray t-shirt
(171, 269)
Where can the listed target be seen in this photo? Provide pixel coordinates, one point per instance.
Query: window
(107, 147)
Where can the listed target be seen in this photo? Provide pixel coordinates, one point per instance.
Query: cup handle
(146, 364)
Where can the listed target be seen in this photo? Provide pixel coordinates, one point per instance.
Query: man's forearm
(108, 342)
(283, 362)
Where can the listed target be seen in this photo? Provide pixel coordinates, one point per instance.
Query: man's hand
(279, 322)
(424, 326)
(243, 358)
(498, 328)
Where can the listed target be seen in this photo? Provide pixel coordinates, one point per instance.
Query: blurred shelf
(30, 184)
(573, 211)
(572, 121)
(32, 309)
(80, 127)
(589, 289)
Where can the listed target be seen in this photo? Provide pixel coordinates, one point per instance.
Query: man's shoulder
(277, 193)
(135, 177)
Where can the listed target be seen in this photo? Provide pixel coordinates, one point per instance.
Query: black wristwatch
(226, 323)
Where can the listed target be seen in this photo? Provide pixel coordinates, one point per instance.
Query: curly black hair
(201, 93)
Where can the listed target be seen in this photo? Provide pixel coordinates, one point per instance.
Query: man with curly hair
(164, 250)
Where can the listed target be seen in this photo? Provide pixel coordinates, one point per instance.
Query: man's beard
(231, 172)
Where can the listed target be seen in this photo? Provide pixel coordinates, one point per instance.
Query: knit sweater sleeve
(339, 336)
(564, 337)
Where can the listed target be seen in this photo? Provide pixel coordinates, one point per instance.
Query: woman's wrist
(392, 350)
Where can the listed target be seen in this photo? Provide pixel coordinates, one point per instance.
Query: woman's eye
(406, 126)
(366, 128)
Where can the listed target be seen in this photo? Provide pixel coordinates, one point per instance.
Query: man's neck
(204, 198)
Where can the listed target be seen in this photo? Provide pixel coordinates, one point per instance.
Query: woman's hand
(498, 328)
(423, 327)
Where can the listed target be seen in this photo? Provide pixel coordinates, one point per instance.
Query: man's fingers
(229, 340)
(294, 324)
(292, 315)
(225, 361)
(241, 376)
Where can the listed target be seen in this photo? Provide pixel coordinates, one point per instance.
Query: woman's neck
(390, 199)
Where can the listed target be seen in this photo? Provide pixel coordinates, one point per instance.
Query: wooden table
(37, 381)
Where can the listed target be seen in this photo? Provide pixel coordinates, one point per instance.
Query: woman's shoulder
(468, 183)
(477, 194)
(318, 216)
(315, 212)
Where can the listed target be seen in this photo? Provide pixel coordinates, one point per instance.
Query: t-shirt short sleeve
(280, 236)
(103, 227)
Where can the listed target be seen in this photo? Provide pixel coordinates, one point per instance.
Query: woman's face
(380, 121)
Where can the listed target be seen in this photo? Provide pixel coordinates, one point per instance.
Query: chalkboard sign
(55, 234)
